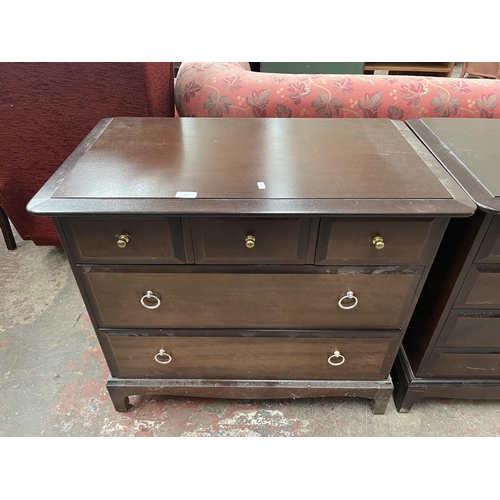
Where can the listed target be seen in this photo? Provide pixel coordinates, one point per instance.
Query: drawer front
(489, 251)
(250, 240)
(373, 242)
(250, 358)
(468, 329)
(465, 365)
(143, 241)
(481, 288)
(257, 300)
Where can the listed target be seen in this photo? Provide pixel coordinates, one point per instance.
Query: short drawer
(347, 241)
(464, 365)
(241, 240)
(489, 251)
(125, 241)
(481, 288)
(250, 358)
(471, 329)
(239, 298)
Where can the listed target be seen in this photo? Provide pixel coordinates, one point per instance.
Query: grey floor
(53, 375)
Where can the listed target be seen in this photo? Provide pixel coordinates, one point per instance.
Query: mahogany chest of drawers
(452, 346)
(251, 258)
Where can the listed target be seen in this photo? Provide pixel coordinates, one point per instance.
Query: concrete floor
(53, 376)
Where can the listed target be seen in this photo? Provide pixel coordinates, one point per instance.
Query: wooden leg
(119, 399)
(404, 398)
(7, 230)
(380, 401)
(405, 404)
(404, 394)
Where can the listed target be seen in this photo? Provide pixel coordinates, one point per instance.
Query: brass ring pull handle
(337, 356)
(162, 354)
(150, 296)
(348, 296)
(123, 239)
(378, 242)
(250, 241)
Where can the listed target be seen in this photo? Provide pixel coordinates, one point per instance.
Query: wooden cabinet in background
(411, 68)
(452, 345)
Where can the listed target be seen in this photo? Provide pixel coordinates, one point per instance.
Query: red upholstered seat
(47, 109)
(231, 90)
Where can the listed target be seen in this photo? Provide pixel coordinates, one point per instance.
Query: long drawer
(471, 328)
(489, 252)
(251, 358)
(481, 288)
(237, 297)
(466, 365)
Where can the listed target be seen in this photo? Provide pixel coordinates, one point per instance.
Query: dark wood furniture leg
(402, 376)
(119, 398)
(381, 400)
(7, 230)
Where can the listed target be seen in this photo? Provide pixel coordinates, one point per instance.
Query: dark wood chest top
(470, 151)
(244, 166)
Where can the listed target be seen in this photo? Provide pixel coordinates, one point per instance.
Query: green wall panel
(343, 68)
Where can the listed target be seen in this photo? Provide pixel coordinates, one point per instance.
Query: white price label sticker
(186, 194)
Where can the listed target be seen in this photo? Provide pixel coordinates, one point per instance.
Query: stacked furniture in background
(47, 109)
(411, 68)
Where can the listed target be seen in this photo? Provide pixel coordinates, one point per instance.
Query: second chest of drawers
(452, 347)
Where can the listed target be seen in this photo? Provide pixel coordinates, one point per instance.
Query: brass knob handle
(378, 241)
(250, 241)
(336, 359)
(163, 357)
(123, 239)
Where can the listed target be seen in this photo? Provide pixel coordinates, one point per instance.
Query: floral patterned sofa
(231, 90)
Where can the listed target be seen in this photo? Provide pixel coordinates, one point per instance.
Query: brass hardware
(162, 354)
(348, 296)
(336, 355)
(123, 239)
(250, 241)
(378, 241)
